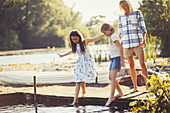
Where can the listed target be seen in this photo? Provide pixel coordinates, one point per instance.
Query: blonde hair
(107, 27)
(128, 3)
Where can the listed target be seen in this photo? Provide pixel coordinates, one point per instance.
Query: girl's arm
(88, 40)
(68, 53)
(120, 37)
(121, 52)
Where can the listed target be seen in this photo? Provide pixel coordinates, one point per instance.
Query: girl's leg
(112, 77)
(144, 69)
(119, 90)
(83, 85)
(133, 73)
(77, 90)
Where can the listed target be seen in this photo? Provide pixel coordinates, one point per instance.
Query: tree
(156, 15)
(115, 25)
(94, 21)
(9, 37)
(36, 23)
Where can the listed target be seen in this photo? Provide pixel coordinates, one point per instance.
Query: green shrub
(157, 101)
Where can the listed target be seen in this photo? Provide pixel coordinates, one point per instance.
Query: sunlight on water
(35, 58)
(57, 109)
(50, 57)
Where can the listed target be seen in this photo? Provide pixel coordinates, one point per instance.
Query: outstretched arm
(88, 40)
(68, 53)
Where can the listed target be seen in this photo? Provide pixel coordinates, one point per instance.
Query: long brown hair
(82, 43)
(107, 27)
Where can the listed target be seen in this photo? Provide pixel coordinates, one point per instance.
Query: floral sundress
(84, 69)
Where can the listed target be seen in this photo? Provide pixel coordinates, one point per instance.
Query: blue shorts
(115, 64)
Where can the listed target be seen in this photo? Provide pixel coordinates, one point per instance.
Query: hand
(143, 44)
(60, 55)
(109, 77)
(123, 63)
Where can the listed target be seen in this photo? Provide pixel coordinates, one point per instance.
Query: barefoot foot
(84, 95)
(119, 95)
(109, 101)
(147, 87)
(134, 91)
(74, 103)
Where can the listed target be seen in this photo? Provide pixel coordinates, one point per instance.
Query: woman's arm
(144, 42)
(143, 28)
(141, 22)
(121, 52)
(88, 40)
(68, 53)
(120, 30)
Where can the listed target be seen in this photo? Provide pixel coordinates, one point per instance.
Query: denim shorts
(115, 64)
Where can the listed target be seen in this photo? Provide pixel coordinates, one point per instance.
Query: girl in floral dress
(84, 69)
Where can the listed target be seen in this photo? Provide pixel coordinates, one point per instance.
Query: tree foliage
(94, 21)
(36, 23)
(156, 15)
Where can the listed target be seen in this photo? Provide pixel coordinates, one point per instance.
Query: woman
(132, 34)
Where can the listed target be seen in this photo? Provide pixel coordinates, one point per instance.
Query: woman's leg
(133, 73)
(83, 85)
(144, 69)
(112, 77)
(77, 90)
